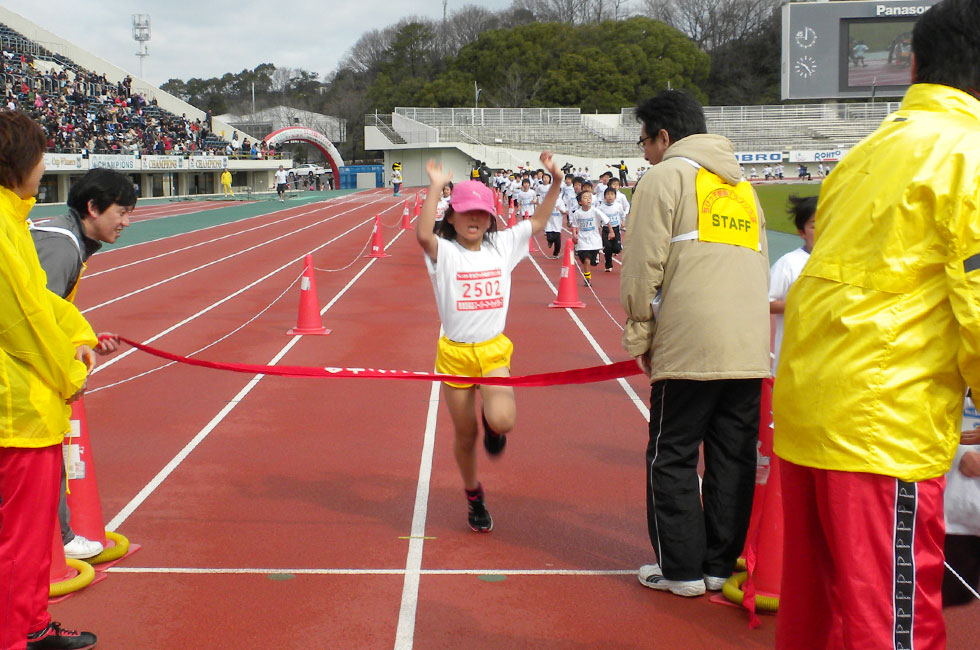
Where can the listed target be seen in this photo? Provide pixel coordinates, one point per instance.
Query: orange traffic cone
(83, 495)
(406, 218)
(758, 587)
(377, 244)
(530, 245)
(527, 215)
(418, 205)
(66, 575)
(511, 220)
(567, 291)
(308, 321)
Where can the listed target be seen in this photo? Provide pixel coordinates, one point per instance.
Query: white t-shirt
(555, 219)
(441, 208)
(568, 193)
(613, 211)
(396, 177)
(281, 177)
(623, 201)
(600, 190)
(526, 201)
(589, 222)
(472, 288)
(781, 277)
(541, 189)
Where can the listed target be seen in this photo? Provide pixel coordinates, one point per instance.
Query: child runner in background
(612, 241)
(526, 200)
(443, 201)
(470, 263)
(568, 192)
(542, 187)
(586, 223)
(512, 189)
(621, 199)
(788, 267)
(600, 187)
(552, 230)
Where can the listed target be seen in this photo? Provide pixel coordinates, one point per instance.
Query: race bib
(479, 290)
(726, 213)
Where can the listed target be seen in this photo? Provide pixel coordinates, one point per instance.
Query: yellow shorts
(472, 359)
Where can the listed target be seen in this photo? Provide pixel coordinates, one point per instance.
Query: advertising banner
(213, 163)
(823, 155)
(113, 161)
(62, 161)
(748, 157)
(162, 163)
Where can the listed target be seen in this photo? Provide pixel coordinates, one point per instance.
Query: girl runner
(470, 263)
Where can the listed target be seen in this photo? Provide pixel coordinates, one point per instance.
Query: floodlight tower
(141, 34)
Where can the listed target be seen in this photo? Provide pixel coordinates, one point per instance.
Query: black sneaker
(55, 637)
(479, 517)
(493, 442)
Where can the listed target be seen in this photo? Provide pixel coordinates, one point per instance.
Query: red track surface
(287, 525)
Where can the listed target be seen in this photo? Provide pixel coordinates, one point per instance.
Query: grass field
(775, 198)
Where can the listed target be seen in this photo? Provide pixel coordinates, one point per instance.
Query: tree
(712, 23)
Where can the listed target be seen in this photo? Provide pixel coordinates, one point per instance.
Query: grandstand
(95, 114)
(506, 137)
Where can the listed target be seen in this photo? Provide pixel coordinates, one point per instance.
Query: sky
(207, 38)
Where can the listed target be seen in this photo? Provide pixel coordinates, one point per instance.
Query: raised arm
(540, 217)
(427, 217)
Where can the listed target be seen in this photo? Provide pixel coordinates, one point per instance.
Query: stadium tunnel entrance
(309, 136)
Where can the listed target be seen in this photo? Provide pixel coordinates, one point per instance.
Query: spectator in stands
(882, 338)
(45, 356)
(695, 296)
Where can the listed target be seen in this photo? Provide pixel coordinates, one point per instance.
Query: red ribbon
(577, 376)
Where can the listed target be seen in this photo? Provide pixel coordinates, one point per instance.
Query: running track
(298, 513)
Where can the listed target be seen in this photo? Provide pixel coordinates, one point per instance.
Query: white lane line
(175, 462)
(640, 406)
(219, 225)
(371, 572)
(123, 355)
(218, 261)
(405, 633)
(203, 243)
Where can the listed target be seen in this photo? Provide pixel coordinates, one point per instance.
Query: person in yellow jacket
(45, 356)
(226, 183)
(882, 337)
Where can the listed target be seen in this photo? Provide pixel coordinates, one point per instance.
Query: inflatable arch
(309, 136)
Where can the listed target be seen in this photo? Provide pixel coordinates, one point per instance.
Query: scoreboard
(836, 50)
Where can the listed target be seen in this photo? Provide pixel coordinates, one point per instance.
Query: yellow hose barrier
(115, 552)
(733, 592)
(85, 576)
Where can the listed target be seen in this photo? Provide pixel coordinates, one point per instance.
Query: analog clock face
(806, 37)
(805, 66)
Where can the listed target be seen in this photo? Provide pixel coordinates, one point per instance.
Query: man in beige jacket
(694, 287)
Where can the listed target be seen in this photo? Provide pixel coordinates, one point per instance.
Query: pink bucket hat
(472, 195)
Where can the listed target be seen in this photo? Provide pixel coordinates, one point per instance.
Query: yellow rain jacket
(883, 327)
(39, 332)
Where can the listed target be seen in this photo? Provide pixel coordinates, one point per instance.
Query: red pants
(29, 484)
(862, 563)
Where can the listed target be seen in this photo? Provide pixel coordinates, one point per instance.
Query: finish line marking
(371, 572)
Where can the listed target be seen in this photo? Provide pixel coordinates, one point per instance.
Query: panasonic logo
(884, 10)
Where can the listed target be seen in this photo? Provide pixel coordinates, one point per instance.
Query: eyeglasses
(642, 141)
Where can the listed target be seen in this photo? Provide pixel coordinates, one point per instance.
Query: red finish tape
(578, 376)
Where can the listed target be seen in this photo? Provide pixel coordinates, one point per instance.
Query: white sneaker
(714, 583)
(81, 548)
(651, 576)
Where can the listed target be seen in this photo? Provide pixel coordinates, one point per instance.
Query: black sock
(476, 494)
